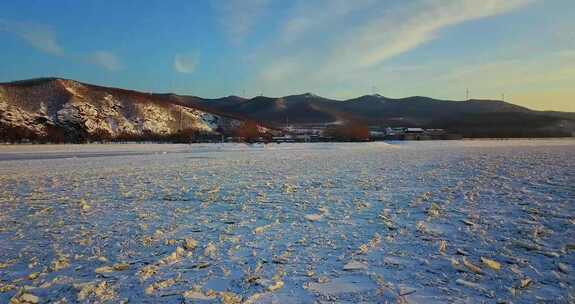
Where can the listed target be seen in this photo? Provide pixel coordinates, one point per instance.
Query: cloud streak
(240, 16)
(384, 33)
(325, 12)
(381, 39)
(39, 36)
(106, 60)
(185, 63)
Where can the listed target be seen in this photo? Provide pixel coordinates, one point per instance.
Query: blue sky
(524, 49)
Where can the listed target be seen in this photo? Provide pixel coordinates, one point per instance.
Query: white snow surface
(120, 217)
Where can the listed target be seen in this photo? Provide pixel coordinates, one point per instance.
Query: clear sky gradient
(524, 49)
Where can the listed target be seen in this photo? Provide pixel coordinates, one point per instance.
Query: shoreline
(274, 142)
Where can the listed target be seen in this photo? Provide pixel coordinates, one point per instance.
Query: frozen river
(411, 222)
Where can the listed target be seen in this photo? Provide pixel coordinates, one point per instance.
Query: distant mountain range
(472, 118)
(73, 110)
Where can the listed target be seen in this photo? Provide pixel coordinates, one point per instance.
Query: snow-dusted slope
(43, 106)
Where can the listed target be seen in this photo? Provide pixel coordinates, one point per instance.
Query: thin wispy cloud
(106, 60)
(310, 16)
(388, 37)
(384, 33)
(43, 38)
(240, 16)
(186, 63)
(39, 36)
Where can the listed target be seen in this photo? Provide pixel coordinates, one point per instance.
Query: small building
(413, 131)
(394, 131)
(415, 134)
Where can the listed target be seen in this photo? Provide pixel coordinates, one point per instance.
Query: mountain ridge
(75, 111)
(84, 110)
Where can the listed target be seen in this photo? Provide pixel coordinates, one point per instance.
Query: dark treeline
(504, 125)
(17, 134)
(249, 131)
(512, 133)
(349, 131)
(58, 135)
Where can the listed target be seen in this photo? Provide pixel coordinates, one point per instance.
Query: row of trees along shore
(248, 131)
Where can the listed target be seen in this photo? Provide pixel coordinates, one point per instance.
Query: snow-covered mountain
(54, 107)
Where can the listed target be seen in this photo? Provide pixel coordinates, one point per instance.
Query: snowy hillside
(51, 106)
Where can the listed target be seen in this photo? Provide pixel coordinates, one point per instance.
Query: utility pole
(181, 108)
(503, 97)
(467, 93)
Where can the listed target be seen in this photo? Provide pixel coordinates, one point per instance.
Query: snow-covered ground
(424, 222)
